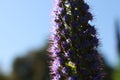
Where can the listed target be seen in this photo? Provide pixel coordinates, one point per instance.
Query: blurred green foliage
(116, 74)
(2, 77)
(33, 66)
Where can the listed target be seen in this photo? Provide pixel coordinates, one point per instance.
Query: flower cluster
(73, 43)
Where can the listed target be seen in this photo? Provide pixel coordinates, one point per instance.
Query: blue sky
(25, 25)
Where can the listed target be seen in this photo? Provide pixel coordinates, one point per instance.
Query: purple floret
(73, 43)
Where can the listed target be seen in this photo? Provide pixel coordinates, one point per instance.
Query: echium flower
(73, 43)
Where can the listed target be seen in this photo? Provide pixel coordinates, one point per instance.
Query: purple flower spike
(73, 43)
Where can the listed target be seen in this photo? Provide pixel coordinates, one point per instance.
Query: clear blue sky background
(25, 24)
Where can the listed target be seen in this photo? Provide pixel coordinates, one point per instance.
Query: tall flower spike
(73, 43)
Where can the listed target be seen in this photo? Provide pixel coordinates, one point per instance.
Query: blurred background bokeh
(25, 27)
